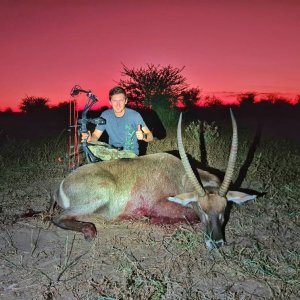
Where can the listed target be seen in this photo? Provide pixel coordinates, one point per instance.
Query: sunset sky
(226, 46)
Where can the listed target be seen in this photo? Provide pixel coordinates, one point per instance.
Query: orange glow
(227, 47)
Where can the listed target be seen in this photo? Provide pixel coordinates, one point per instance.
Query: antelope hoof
(89, 231)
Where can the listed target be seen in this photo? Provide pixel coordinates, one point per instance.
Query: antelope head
(208, 202)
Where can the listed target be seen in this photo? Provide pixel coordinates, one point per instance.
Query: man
(124, 126)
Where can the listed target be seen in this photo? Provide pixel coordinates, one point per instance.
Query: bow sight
(92, 99)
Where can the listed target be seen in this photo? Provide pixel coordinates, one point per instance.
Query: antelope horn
(232, 158)
(185, 161)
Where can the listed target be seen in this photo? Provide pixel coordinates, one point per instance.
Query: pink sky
(226, 46)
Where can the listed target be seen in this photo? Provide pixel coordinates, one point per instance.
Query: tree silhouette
(247, 99)
(154, 85)
(275, 99)
(8, 110)
(190, 97)
(62, 107)
(34, 104)
(212, 101)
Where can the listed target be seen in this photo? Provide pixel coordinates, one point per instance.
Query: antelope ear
(239, 197)
(184, 199)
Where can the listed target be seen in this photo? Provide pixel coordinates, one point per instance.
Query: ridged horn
(188, 169)
(232, 158)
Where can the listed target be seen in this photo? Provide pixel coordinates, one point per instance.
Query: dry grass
(140, 261)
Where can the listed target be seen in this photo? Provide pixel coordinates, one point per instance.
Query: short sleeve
(102, 127)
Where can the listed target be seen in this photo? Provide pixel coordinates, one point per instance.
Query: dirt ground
(126, 261)
(137, 260)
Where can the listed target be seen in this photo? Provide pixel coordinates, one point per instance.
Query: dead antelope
(145, 187)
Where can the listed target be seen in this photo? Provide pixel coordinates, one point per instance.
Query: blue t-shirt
(121, 130)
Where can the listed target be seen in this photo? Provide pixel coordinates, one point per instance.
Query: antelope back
(107, 187)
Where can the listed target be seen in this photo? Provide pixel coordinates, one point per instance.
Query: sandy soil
(137, 260)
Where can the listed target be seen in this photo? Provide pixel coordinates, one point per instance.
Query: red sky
(226, 46)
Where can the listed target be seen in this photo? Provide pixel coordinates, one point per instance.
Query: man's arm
(92, 137)
(147, 136)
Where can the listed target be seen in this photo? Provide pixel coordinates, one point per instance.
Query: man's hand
(86, 136)
(140, 133)
(91, 137)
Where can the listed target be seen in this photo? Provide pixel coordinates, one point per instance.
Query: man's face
(118, 102)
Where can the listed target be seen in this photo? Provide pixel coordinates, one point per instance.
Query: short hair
(117, 90)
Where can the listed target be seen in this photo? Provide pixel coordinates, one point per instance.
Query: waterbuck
(158, 186)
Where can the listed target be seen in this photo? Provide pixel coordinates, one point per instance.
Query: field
(137, 260)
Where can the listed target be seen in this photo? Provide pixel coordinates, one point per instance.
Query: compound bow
(92, 99)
